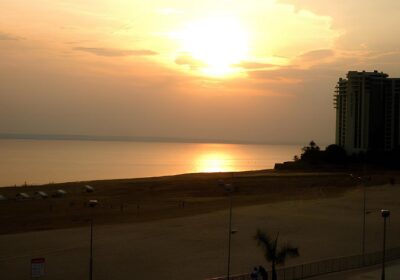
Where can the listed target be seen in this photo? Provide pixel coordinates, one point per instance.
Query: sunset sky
(251, 70)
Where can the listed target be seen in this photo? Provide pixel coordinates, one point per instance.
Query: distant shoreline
(161, 177)
(77, 137)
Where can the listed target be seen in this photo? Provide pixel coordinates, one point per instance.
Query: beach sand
(319, 213)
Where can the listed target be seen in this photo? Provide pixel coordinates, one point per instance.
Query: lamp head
(229, 187)
(93, 203)
(385, 213)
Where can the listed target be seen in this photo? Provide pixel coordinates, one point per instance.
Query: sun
(215, 44)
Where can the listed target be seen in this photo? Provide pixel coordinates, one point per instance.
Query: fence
(326, 266)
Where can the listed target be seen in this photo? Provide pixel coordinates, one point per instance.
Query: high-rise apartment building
(367, 112)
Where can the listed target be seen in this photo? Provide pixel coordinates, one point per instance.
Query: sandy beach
(163, 238)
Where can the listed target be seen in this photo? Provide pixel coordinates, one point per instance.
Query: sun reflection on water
(214, 162)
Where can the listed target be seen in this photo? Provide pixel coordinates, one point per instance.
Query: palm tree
(271, 252)
(311, 153)
(312, 146)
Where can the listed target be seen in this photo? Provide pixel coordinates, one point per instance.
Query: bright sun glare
(217, 43)
(214, 162)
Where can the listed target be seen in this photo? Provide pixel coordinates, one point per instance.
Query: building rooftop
(363, 73)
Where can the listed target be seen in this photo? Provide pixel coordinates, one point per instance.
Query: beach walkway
(392, 272)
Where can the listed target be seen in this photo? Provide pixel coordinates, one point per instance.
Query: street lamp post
(92, 203)
(385, 214)
(360, 179)
(229, 235)
(229, 189)
(91, 250)
(364, 212)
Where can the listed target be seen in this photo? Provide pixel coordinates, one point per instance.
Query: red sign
(37, 267)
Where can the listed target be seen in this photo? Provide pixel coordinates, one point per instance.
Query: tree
(335, 154)
(272, 253)
(311, 153)
(312, 146)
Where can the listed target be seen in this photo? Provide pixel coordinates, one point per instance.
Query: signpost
(37, 267)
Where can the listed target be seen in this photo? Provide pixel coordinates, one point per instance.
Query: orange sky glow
(240, 70)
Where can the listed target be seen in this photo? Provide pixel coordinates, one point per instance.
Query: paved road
(370, 273)
(195, 247)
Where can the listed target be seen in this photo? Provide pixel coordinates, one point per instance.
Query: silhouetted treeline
(334, 156)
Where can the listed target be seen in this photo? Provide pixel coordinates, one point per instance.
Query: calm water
(37, 162)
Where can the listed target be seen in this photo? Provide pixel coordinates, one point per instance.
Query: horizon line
(80, 137)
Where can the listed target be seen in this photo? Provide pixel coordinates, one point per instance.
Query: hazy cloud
(279, 76)
(188, 60)
(5, 36)
(115, 52)
(251, 65)
(317, 55)
(393, 56)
